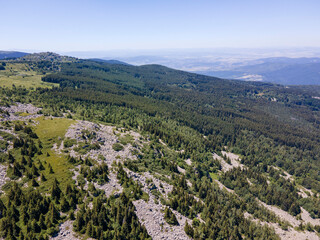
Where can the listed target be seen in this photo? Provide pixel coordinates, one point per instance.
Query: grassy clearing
(60, 168)
(20, 74)
(52, 131)
(214, 176)
(117, 147)
(23, 114)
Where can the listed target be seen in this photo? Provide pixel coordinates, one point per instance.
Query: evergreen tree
(188, 229)
(170, 217)
(34, 183)
(55, 190)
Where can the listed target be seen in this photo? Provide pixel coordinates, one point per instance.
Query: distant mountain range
(11, 54)
(281, 70)
(287, 71)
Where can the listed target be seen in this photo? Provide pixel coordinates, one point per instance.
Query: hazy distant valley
(283, 66)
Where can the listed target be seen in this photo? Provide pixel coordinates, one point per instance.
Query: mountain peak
(47, 56)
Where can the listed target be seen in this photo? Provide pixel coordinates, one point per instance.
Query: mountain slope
(159, 153)
(302, 74)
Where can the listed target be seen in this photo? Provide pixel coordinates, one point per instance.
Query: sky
(103, 25)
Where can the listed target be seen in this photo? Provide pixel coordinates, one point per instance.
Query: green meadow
(19, 74)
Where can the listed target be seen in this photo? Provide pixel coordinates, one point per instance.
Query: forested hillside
(114, 151)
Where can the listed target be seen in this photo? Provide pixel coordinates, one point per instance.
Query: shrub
(117, 147)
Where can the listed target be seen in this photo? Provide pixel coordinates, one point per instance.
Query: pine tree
(16, 171)
(23, 161)
(11, 157)
(79, 222)
(89, 229)
(71, 216)
(50, 169)
(188, 229)
(21, 236)
(35, 171)
(43, 178)
(34, 183)
(41, 167)
(42, 224)
(24, 215)
(29, 162)
(35, 227)
(64, 205)
(55, 190)
(3, 209)
(235, 235)
(53, 214)
(170, 217)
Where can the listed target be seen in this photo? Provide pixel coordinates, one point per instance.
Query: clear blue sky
(93, 25)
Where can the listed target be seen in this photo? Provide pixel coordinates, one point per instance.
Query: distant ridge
(11, 54)
(111, 61)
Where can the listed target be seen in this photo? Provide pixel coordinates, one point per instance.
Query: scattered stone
(14, 111)
(290, 234)
(305, 216)
(305, 193)
(66, 232)
(234, 159)
(155, 223)
(285, 174)
(181, 170)
(250, 183)
(281, 214)
(111, 187)
(188, 162)
(142, 179)
(104, 135)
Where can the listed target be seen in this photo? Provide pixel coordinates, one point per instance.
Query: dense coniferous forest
(273, 129)
(219, 109)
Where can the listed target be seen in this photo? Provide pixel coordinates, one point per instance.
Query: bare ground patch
(152, 217)
(14, 112)
(3, 176)
(290, 234)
